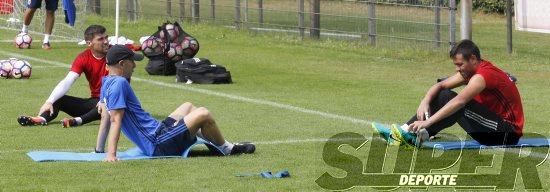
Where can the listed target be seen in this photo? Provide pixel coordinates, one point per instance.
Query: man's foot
(385, 133)
(69, 122)
(244, 147)
(406, 138)
(46, 46)
(29, 121)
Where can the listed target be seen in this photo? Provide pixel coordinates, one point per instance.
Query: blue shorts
(51, 5)
(173, 140)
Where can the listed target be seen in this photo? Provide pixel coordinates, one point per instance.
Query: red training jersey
(93, 68)
(500, 95)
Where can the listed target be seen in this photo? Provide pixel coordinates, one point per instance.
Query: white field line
(246, 100)
(214, 93)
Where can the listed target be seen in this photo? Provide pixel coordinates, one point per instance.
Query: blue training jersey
(138, 125)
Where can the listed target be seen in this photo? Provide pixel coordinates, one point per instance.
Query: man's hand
(417, 125)
(46, 107)
(423, 109)
(110, 158)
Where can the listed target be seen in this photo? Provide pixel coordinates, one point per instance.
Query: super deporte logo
(387, 167)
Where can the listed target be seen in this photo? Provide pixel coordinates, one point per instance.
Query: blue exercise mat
(130, 154)
(70, 12)
(472, 144)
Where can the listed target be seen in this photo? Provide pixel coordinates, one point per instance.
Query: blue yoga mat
(130, 154)
(472, 144)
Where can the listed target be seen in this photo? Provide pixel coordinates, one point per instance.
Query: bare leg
(29, 14)
(199, 119)
(182, 111)
(50, 18)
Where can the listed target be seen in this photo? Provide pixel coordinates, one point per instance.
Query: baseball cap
(120, 52)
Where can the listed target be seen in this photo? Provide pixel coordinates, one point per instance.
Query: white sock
(46, 38)
(78, 120)
(405, 127)
(25, 29)
(227, 147)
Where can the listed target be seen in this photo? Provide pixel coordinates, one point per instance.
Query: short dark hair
(92, 31)
(466, 48)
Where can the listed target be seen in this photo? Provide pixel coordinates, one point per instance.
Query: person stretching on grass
(122, 111)
(91, 62)
(489, 107)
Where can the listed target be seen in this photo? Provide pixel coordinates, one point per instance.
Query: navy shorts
(51, 5)
(173, 140)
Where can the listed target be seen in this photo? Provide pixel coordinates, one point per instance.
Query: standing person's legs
(29, 13)
(51, 7)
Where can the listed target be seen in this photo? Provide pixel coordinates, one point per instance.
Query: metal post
(97, 7)
(169, 8)
(315, 31)
(452, 23)
(301, 18)
(437, 26)
(509, 25)
(182, 10)
(213, 9)
(131, 10)
(261, 12)
(238, 14)
(372, 21)
(196, 11)
(89, 6)
(245, 13)
(466, 19)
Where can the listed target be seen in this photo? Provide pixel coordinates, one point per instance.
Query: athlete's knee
(203, 113)
(50, 12)
(186, 105)
(446, 95)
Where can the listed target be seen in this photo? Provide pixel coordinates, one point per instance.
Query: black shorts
(51, 5)
(173, 140)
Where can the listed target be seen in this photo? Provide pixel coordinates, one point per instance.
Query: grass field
(288, 96)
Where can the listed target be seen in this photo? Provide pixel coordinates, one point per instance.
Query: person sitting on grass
(489, 107)
(91, 62)
(121, 111)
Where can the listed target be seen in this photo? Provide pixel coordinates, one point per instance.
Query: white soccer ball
(21, 69)
(23, 41)
(190, 47)
(173, 31)
(175, 52)
(5, 68)
(152, 46)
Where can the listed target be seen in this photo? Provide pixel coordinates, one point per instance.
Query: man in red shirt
(91, 62)
(489, 107)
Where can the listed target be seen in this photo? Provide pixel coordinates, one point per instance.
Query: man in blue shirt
(121, 110)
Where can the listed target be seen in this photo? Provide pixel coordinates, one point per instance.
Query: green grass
(338, 77)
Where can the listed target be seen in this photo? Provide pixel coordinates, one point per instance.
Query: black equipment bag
(201, 71)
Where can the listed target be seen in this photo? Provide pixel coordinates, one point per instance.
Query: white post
(117, 17)
(466, 19)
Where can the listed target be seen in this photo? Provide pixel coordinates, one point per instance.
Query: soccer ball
(190, 47)
(173, 31)
(23, 41)
(175, 52)
(5, 68)
(152, 46)
(21, 69)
